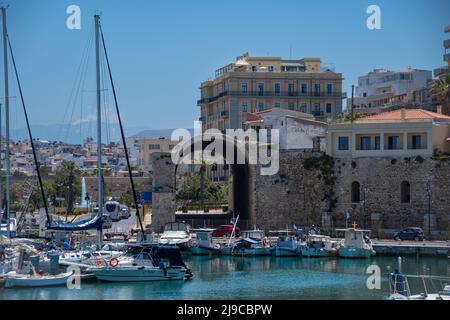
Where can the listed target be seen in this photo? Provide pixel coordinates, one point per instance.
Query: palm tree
(440, 91)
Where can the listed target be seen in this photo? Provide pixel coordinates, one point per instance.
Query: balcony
(224, 114)
(317, 113)
(447, 44)
(441, 71)
(447, 57)
(272, 94)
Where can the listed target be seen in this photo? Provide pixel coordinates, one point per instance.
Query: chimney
(402, 113)
(439, 109)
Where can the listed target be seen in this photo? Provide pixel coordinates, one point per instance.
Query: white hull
(16, 280)
(317, 252)
(355, 252)
(137, 274)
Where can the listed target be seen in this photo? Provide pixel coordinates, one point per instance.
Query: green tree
(190, 190)
(440, 92)
(67, 183)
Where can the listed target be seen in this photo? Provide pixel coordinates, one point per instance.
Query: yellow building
(147, 146)
(399, 133)
(255, 84)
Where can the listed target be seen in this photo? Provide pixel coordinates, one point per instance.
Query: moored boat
(176, 233)
(287, 245)
(144, 263)
(253, 243)
(319, 246)
(13, 279)
(205, 244)
(356, 244)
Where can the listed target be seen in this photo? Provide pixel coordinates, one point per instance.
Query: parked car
(124, 212)
(225, 231)
(410, 234)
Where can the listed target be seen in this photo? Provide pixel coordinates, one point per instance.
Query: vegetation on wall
(325, 164)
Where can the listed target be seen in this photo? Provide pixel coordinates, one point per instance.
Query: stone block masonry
(311, 188)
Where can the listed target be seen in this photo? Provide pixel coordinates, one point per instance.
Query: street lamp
(429, 208)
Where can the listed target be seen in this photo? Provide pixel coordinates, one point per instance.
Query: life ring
(98, 262)
(113, 262)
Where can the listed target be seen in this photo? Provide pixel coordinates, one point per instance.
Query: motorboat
(356, 244)
(400, 288)
(144, 263)
(205, 244)
(13, 279)
(176, 233)
(287, 245)
(253, 243)
(319, 246)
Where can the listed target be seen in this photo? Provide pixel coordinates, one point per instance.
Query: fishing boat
(205, 244)
(355, 244)
(144, 263)
(176, 233)
(319, 246)
(253, 243)
(287, 245)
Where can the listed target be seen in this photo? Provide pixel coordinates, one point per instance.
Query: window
(317, 89)
(328, 107)
(343, 143)
(261, 106)
(304, 88)
(171, 146)
(405, 192)
(329, 88)
(377, 143)
(356, 192)
(277, 89)
(270, 68)
(154, 146)
(244, 88)
(291, 106)
(365, 143)
(303, 108)
(393, 143)
(244, 107)
(260, 89)
(416, 142)
(317, 107)
(290, 89)
(276, 105)
(254, 68)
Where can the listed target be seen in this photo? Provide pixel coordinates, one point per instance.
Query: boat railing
(401, 283)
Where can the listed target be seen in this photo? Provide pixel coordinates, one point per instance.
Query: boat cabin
(253, 234)
(204, 237)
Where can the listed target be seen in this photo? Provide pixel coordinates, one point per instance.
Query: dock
(412, 248)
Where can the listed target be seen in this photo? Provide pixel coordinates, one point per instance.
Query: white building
(297, 130)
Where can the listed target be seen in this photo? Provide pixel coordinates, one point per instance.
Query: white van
(112, 208)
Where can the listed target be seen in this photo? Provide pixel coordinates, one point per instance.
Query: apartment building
(382, 89)
(444, 71)
(255, 84)
(398, 133)
(147, 146)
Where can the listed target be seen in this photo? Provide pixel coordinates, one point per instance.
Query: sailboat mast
(7, 153)
(99, 124)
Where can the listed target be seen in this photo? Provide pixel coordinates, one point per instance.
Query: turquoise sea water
(252, 278)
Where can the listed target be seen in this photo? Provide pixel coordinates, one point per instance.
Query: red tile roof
(410, 114)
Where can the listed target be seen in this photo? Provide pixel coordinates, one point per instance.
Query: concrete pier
(412, 248)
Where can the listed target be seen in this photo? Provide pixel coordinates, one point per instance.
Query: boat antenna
(122, 134)
(38, 171)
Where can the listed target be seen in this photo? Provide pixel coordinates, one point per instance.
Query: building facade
(147, 146)
(398, 133)
(444, 71)
(255, 84)
(383, 89)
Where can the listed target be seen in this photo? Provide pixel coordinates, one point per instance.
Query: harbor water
(252, 278)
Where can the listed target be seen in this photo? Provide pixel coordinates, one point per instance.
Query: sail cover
(95, 222)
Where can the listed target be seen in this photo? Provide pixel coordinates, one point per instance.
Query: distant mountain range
(76, 133)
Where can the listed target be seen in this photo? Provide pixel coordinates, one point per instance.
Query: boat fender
(113, 262)
(264, 241)
(98, 262)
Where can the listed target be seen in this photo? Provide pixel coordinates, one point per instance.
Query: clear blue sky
(161, 50)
